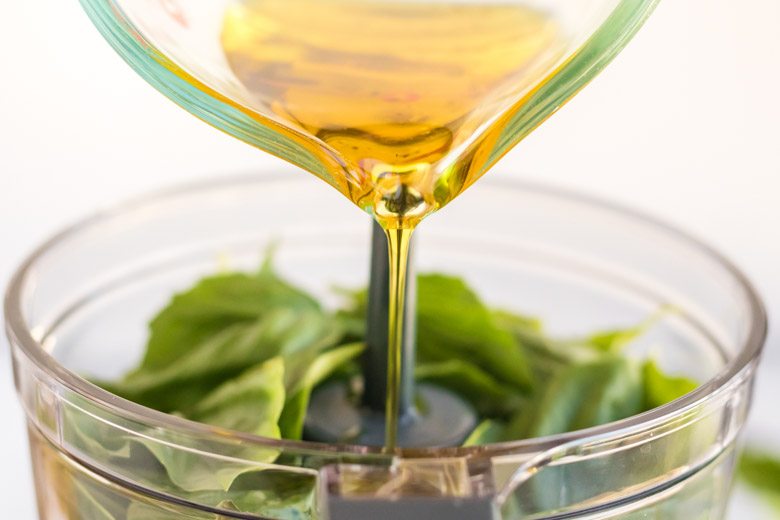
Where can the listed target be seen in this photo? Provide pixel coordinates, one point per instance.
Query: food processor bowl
(79, 309)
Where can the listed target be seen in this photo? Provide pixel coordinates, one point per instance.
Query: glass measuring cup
(176, 46)
(81, 303)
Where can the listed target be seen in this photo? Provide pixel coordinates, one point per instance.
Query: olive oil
(401, 96)
(398, 250)
(401, 101)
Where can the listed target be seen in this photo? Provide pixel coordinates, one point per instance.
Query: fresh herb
(486, 432)
(252, 402)
(488, 396)
(453, 323)
(304, 374)
(244, 352)
(660, 389)
(761, 472)
(580, 396)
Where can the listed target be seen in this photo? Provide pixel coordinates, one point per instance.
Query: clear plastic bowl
(79, 306)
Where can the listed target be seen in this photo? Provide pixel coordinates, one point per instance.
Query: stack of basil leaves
(245, 351)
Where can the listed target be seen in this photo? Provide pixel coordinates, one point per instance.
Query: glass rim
(21, 335)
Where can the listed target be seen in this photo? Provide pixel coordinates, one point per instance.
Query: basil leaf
(146, 511)
(453, 323)
(545, 355)
(581, 396)
(514, 322)
(271, 493)
(299, 387)
(96, 502)
(613, 341)
(218, 329)
(282, 494)
(254, 403)
(213, 305)
(761, 472)
(660, 389)
(192, 472)
(250, 403)
(202, 367)
(488, 396)
(486, 432)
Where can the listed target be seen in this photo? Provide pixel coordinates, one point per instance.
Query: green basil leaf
(761, 472)
(264, 501)
(514, 322)
(224, 355)
(213, 305)
(545, 355)
(453, 323)
(146, 511)
(486, 432)
(309, 375)
(250, 403)
(284, 495)
(660, 389)
(489, 397)
(581, 396)
(97, 502)
(193, 472)
(613, 341)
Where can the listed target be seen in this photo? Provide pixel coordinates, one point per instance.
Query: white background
(683, 125)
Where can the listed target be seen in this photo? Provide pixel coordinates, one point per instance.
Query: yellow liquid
(398, 249)
(401, 101)
(396, 95)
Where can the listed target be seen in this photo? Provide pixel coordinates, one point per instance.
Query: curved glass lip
(20, 334)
